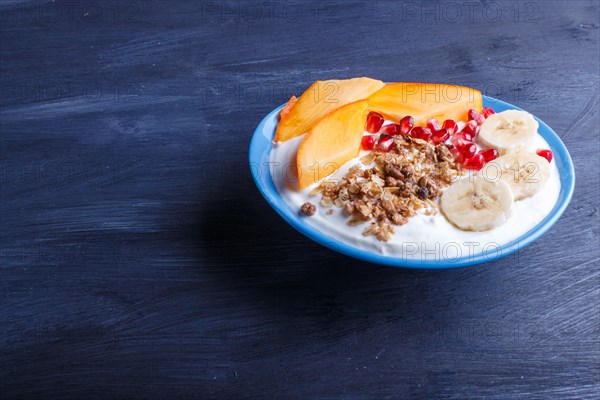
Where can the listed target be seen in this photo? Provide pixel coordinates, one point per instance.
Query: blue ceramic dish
(260, 148)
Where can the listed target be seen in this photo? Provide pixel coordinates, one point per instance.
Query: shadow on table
(247, 247)
(276, 292)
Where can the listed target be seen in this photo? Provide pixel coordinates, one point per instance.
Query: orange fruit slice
(332, 142)
(423, 101)
(319, 100)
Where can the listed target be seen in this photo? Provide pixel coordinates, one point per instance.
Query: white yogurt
(423, 237)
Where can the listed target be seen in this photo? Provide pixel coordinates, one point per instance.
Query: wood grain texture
(138, 260)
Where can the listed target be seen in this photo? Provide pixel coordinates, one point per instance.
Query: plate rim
(264, 182)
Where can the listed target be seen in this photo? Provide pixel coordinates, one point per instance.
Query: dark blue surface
(260, 150)
(138, 260)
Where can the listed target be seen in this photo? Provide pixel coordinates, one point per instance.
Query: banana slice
(476, 204)
(508, 131)
(525, 173)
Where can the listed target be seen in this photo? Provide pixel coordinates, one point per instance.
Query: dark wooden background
(139, 261)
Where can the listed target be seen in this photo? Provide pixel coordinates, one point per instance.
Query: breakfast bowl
(435, 235)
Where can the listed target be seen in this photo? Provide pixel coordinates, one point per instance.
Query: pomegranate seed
(476, 116)
(466, 148)
(368, 141)
(418, 132)
(476, 162)
(489, 154)
(391, 129)
(450, 126)
(433, 124)
(440, 136)
(455, 153)
(385, 143)
(406, 124)
(471, 127)
(547, 154)
(374, 122)
(461, 136)
(486, 111)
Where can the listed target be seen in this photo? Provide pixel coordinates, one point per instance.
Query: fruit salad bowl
(261, 165)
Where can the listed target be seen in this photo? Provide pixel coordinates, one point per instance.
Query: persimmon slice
(332, 142)
(319, 100)
(285, 111)
(423, 101)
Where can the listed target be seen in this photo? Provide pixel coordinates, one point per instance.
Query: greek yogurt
(424, 237)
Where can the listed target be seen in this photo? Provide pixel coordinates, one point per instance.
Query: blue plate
(260, 149)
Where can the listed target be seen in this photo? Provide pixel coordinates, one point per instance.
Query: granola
(309, 209)
(389, 188)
